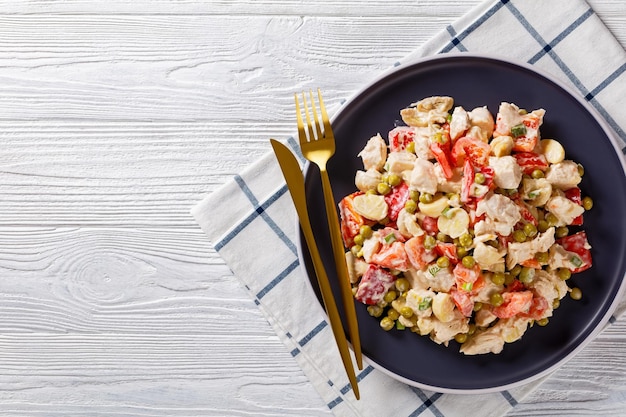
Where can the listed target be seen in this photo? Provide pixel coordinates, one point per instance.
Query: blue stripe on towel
(459, 38)
(507, 395)
(278, 279)
(428, 403)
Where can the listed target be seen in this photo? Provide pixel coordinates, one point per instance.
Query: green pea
(576, 293)
(442, 237)
(375, 311)
(393, 314)
(356, 250)
(479, 178)
(414, 195)
(537, 173)
(406, 312)
(508, 279)
(561, 231)
(564, 273)
(461, 251)
(543, 322)
(402, 284)
(496, 299)
(429, 242)
(587, 203)
(394, 180)
(468, 261)
(530, 230)
(542, 257)
(516, 270)
(390, 296)
(581, 170)
(383, 188)
(466, 240)
(426, 198)
(472, 329)
(556, 303)
(552, 219)
(387, 323)
(366, 231)
(526, 275)
(410, 147)
(443, 262)
(478, 305)
(410, 206)
(461, 337)
(519, 236)
(358, 240)
(542, 225)
(498, 278)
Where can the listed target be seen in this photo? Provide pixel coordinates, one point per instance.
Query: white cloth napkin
(251, 219)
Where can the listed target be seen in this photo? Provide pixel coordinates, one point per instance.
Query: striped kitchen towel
(252, 225)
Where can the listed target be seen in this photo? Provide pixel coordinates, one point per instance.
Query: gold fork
(318, 147)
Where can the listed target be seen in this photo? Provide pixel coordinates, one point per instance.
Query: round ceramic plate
(478, 81)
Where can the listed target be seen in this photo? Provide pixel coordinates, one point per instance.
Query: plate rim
(621, 292)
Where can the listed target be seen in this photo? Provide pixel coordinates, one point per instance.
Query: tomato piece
(351, 221)
(537, 308)
(514, 303)
(417, 254)
(465, 278)
(396, 200)
(400, 137)
(392, 257)
(448, 250)
(575, 195)
(442, 155)
(578, 244)
(469, 148)
(463, 302)
(516, 285)
(530, 161)
(531, 263)
(525, 212)
(374, 283)
(467, 181)
(429, 224)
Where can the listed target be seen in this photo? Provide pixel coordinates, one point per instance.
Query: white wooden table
(116, 118)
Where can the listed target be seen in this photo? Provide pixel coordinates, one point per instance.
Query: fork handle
(342, 269)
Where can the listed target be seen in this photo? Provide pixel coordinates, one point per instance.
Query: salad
(465, 227)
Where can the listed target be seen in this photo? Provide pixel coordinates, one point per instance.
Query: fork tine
(327, 129)
(307, 116)
(317, 122)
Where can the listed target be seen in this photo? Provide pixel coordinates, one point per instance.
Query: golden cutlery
(295, 182)
(318, 147)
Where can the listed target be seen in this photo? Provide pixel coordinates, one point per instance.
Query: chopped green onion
(533, 194)
(467, 286)
(390, 238)
(446, 212)
(433, 269)
(425, 303)
(518, 130)
(400, 326)
(576, 261)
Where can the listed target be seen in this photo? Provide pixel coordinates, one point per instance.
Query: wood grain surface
(115, 119)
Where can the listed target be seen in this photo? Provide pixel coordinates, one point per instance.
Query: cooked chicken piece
(493, 339)
(522, 251)
(371, 246)
(548, 286)
(481, 118)
(442, 280)
(501, 210)
(408, 225)
(509, 115)
(459, 123)
(422, 143)
(563, 175)
(374, 154)
(417, 279)
(508, 173)
(423, 177)
(452, 185)
(484, 317)
(561, 258)
(367, 180)
(444, 332)
(564, 209)
(397, 162)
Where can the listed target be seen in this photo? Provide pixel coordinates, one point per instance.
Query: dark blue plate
(477, 81)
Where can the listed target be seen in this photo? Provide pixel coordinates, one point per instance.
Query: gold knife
(295, 183)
